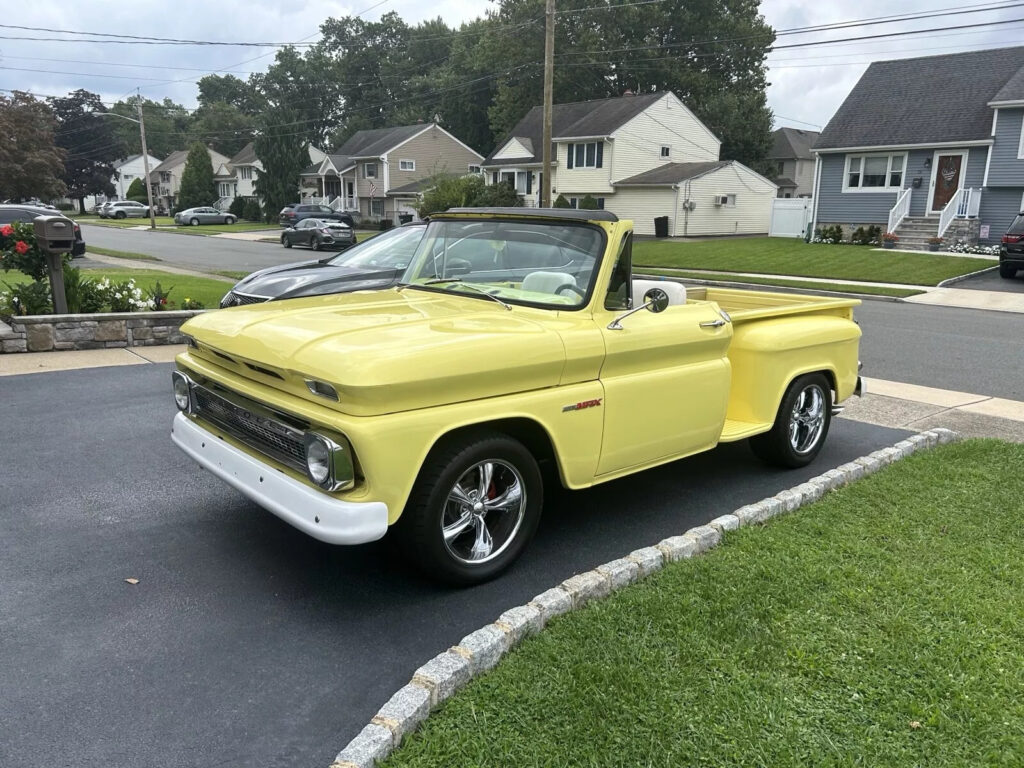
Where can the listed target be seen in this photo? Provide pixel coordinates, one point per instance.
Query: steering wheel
(582, 294)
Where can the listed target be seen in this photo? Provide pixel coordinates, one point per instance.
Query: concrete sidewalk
(996, 301)
(886, 403)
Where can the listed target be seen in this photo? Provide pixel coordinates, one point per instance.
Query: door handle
(713, 323)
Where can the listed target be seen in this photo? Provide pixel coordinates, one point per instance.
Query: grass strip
(880, 626)
(785, 256)
(207, 290)
(732, 277)
(234, 275)
(119, 254)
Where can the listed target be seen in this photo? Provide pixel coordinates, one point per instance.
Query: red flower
(21, 247)
(163, 301)
(6, 230)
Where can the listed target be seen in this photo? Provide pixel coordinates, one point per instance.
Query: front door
(948, 178)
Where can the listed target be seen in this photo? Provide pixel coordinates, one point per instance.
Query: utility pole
(549, 67)
(145, 167)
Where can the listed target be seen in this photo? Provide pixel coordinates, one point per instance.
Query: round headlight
(181, 393)
(318, 460)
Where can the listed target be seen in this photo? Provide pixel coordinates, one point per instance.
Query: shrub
(588, 203)
(124, 296)
(466, 192)
(562, 202)
(874, 234)
(19, 250)
(252, 211)
(83, 295)
(833, 234)
(27, 299)
(65, 206)
(137, 191)
(156, 297)
(237, 208)
(188, 303)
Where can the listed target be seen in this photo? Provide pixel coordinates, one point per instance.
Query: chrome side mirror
(656, 300)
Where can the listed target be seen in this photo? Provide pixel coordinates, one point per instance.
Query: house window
(730, 201)
(127, 176)
(165, 177)
(377, 208)
(245, 172)
(407, 165)
(474, 168)
(870, 173)
(520, 181)
(781, 167)
(666, 152)
(575, 202)
(225, 189)
(369, 170)
(586, 155)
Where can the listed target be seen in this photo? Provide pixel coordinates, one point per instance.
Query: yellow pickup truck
(518, 339)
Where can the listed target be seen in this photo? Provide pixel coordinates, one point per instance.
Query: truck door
(666, 378)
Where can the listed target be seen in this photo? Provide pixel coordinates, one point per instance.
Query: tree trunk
(81, 205)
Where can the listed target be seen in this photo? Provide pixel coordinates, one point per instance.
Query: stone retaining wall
(43, 333)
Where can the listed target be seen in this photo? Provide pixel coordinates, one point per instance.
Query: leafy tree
(228, 89)
(446, 192)
(91, 145)
(301, 95)
(588, 203)
(197, 185)
(137, 191)
(284, 155)
(237, 208)
(251, 210)
(223, 126)
(561, 202)
(31, 163)
(168, 126)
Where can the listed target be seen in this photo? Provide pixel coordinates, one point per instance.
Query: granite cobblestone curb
(442, 676)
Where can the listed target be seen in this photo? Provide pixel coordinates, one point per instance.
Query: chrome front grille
(261, 429)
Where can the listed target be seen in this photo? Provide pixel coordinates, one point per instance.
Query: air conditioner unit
(721, 199)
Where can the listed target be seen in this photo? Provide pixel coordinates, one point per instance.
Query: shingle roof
(790, 143)
(341, 162)
(173, 161)
(785, 181)
(375, 142)
(413, 187)
(671, 173)
(581, 118)
(246, 155)
(925, 100)
(1014, 88)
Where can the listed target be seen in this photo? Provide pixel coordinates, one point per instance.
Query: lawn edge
(480, 651)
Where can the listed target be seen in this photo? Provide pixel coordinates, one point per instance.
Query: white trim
(995, 121)
(816, 196)
(411, 162)
(575, 139)
(965, 156)
(366, 175)
(387, 172)
(901, 147)
(1022, 203)
(988, 162)
(1020, 143)
(862, 190)
(1013, 103)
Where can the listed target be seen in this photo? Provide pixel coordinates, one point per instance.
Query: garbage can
(661, 226)
(386, 224)
(404, 218)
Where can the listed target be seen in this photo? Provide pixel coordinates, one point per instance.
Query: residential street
(246, 642)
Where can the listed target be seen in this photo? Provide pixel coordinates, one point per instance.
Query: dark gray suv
(1011, 249)
(12, 213)
(292, 214)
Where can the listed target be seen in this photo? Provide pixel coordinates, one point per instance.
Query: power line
(136, 39)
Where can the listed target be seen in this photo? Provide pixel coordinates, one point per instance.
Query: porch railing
(900, 211)
(965, 204)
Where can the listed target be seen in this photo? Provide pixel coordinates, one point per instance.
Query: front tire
(474, 508)
(801, 424)
(285, 241)
(120, 215)
(1007, 271)
(316, 245)
(229, 220)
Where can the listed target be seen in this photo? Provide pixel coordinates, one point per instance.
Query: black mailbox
(54, 234)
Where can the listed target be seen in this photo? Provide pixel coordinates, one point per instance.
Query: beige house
(794, 161)
(165, 179)
(380, 173)
(641, 157)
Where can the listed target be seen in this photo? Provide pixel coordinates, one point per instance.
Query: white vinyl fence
(790, 216)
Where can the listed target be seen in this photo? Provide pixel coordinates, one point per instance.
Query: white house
(237, 176)
(125, 172)
(642, 157)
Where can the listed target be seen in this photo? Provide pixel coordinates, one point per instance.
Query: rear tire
(801, 424)
(194, 221)
(120, 215)
(475, 506)
(285, 241)
(1007, 271)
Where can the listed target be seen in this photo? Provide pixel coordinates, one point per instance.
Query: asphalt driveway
(991, 281)
(245, 642)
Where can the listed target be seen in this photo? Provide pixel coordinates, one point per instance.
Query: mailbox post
(55, 236)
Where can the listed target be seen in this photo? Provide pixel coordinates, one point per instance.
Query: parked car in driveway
(124, 209)
(375, 263)
(12, 213)
(1011, 249)
(292, 214)
(319, 234)
(203, 215)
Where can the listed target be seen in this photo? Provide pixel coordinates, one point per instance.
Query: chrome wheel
(483, 512)
(807, 420)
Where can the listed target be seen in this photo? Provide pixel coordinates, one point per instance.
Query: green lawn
(207, 290)
(161, 221)
(119, 254)
(216, 229)
(873, 290)
(785, 256)
(881, 626)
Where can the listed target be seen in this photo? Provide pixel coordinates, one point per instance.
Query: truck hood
(386, 351)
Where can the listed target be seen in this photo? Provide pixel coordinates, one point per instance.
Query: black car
(373, 264)
(319, 234)
(292, 214)
(1011, 249)
(12, 213)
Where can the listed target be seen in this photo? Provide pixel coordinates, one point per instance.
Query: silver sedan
(204, 215)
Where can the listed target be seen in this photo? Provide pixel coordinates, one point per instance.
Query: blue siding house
(927, 147)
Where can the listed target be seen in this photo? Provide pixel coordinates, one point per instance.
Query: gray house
(927, 147)
(794, 161)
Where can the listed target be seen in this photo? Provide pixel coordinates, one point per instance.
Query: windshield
(389, 250)
(538, 263)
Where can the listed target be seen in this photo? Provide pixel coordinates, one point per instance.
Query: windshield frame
(584, 301)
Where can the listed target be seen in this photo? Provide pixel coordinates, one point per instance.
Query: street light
(145, 158)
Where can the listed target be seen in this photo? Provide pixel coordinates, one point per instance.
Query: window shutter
(494, 177)
(600, 153)
(529, 182)
(571, 148)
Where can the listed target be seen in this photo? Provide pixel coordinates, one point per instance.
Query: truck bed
(744, 306)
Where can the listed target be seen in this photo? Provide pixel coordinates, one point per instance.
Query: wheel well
(528, 432)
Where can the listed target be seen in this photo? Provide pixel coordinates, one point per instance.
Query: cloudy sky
(807, 82)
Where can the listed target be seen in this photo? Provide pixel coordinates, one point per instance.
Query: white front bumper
(311, 511)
